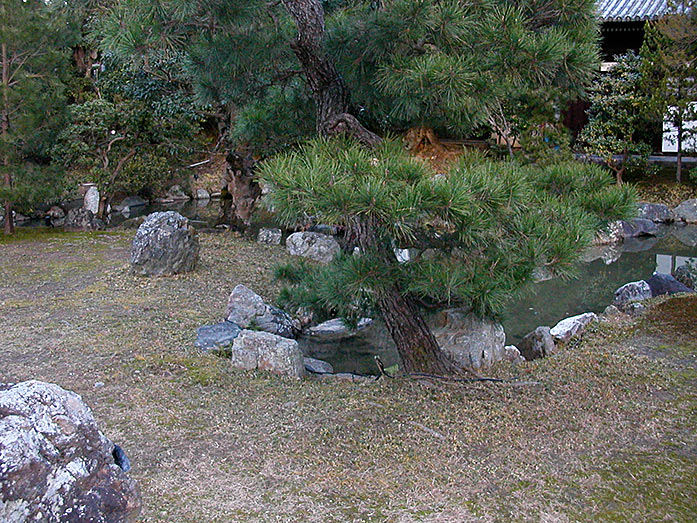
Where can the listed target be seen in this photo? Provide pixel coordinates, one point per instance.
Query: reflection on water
(605, 269)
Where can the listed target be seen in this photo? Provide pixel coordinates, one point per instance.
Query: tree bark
(329, 91)
(4, 130)
(415, 342)
(413, 338)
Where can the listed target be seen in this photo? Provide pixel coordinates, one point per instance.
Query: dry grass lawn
(605, 430)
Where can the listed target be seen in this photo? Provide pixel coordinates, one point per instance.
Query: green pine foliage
(454, 65)
(450, 65)
(481, 230)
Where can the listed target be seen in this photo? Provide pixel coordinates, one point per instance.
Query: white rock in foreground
(573, 326)
(55, 464)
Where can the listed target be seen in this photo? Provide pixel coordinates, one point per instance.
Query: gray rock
(512, 354)
(216, 337)
(335, 330)
(537, 344)
(631, 292)
(471, 341)
(611, 310)
(265, 351)
(610, 234)
(313, 245)
(318, 366)
(686, 211)
(687, 235)
(91, 200)
(406, 255)
(270, 236)
(165, 244)
(202, 194)
(131, 202)
(177, 194)
(82, 220)
(685, 275)
(55, 464)
(636, 227)
(57, 216)
(656, 212)
(573, 326)
(329, 230)
(665, 284)
(248, 310)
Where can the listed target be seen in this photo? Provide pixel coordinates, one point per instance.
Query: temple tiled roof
(631, 10)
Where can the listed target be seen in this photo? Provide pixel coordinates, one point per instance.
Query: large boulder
(686, 211)
(216, 337)
(537, 344)
(573, 326)
(316, 366)
(165, 244)
(632, 292)
(656, 212)
(471, 341)
(55, 464)
(81, 219)
(265, 351)
(665, 284)
(313, 245)
(247, 309)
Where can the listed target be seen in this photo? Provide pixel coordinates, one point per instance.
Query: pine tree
(669, 56)
(482, 230)
(33, 41)
(448, 65)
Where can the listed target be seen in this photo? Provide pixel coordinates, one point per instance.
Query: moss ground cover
(604, 430)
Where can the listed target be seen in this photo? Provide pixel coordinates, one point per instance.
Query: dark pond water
(544, 303)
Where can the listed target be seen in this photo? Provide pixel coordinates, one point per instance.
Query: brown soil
(604, 430)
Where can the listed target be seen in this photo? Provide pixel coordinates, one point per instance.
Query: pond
(604, 269)
(545, 303)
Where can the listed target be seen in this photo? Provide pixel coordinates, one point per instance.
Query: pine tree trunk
(415, 342)
(4, 129)
(329, 91)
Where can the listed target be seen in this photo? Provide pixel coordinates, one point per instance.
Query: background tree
(618, 111)
(482, 231)
(131, 133)
(669, 64)
(447, 65)
(33, 44)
